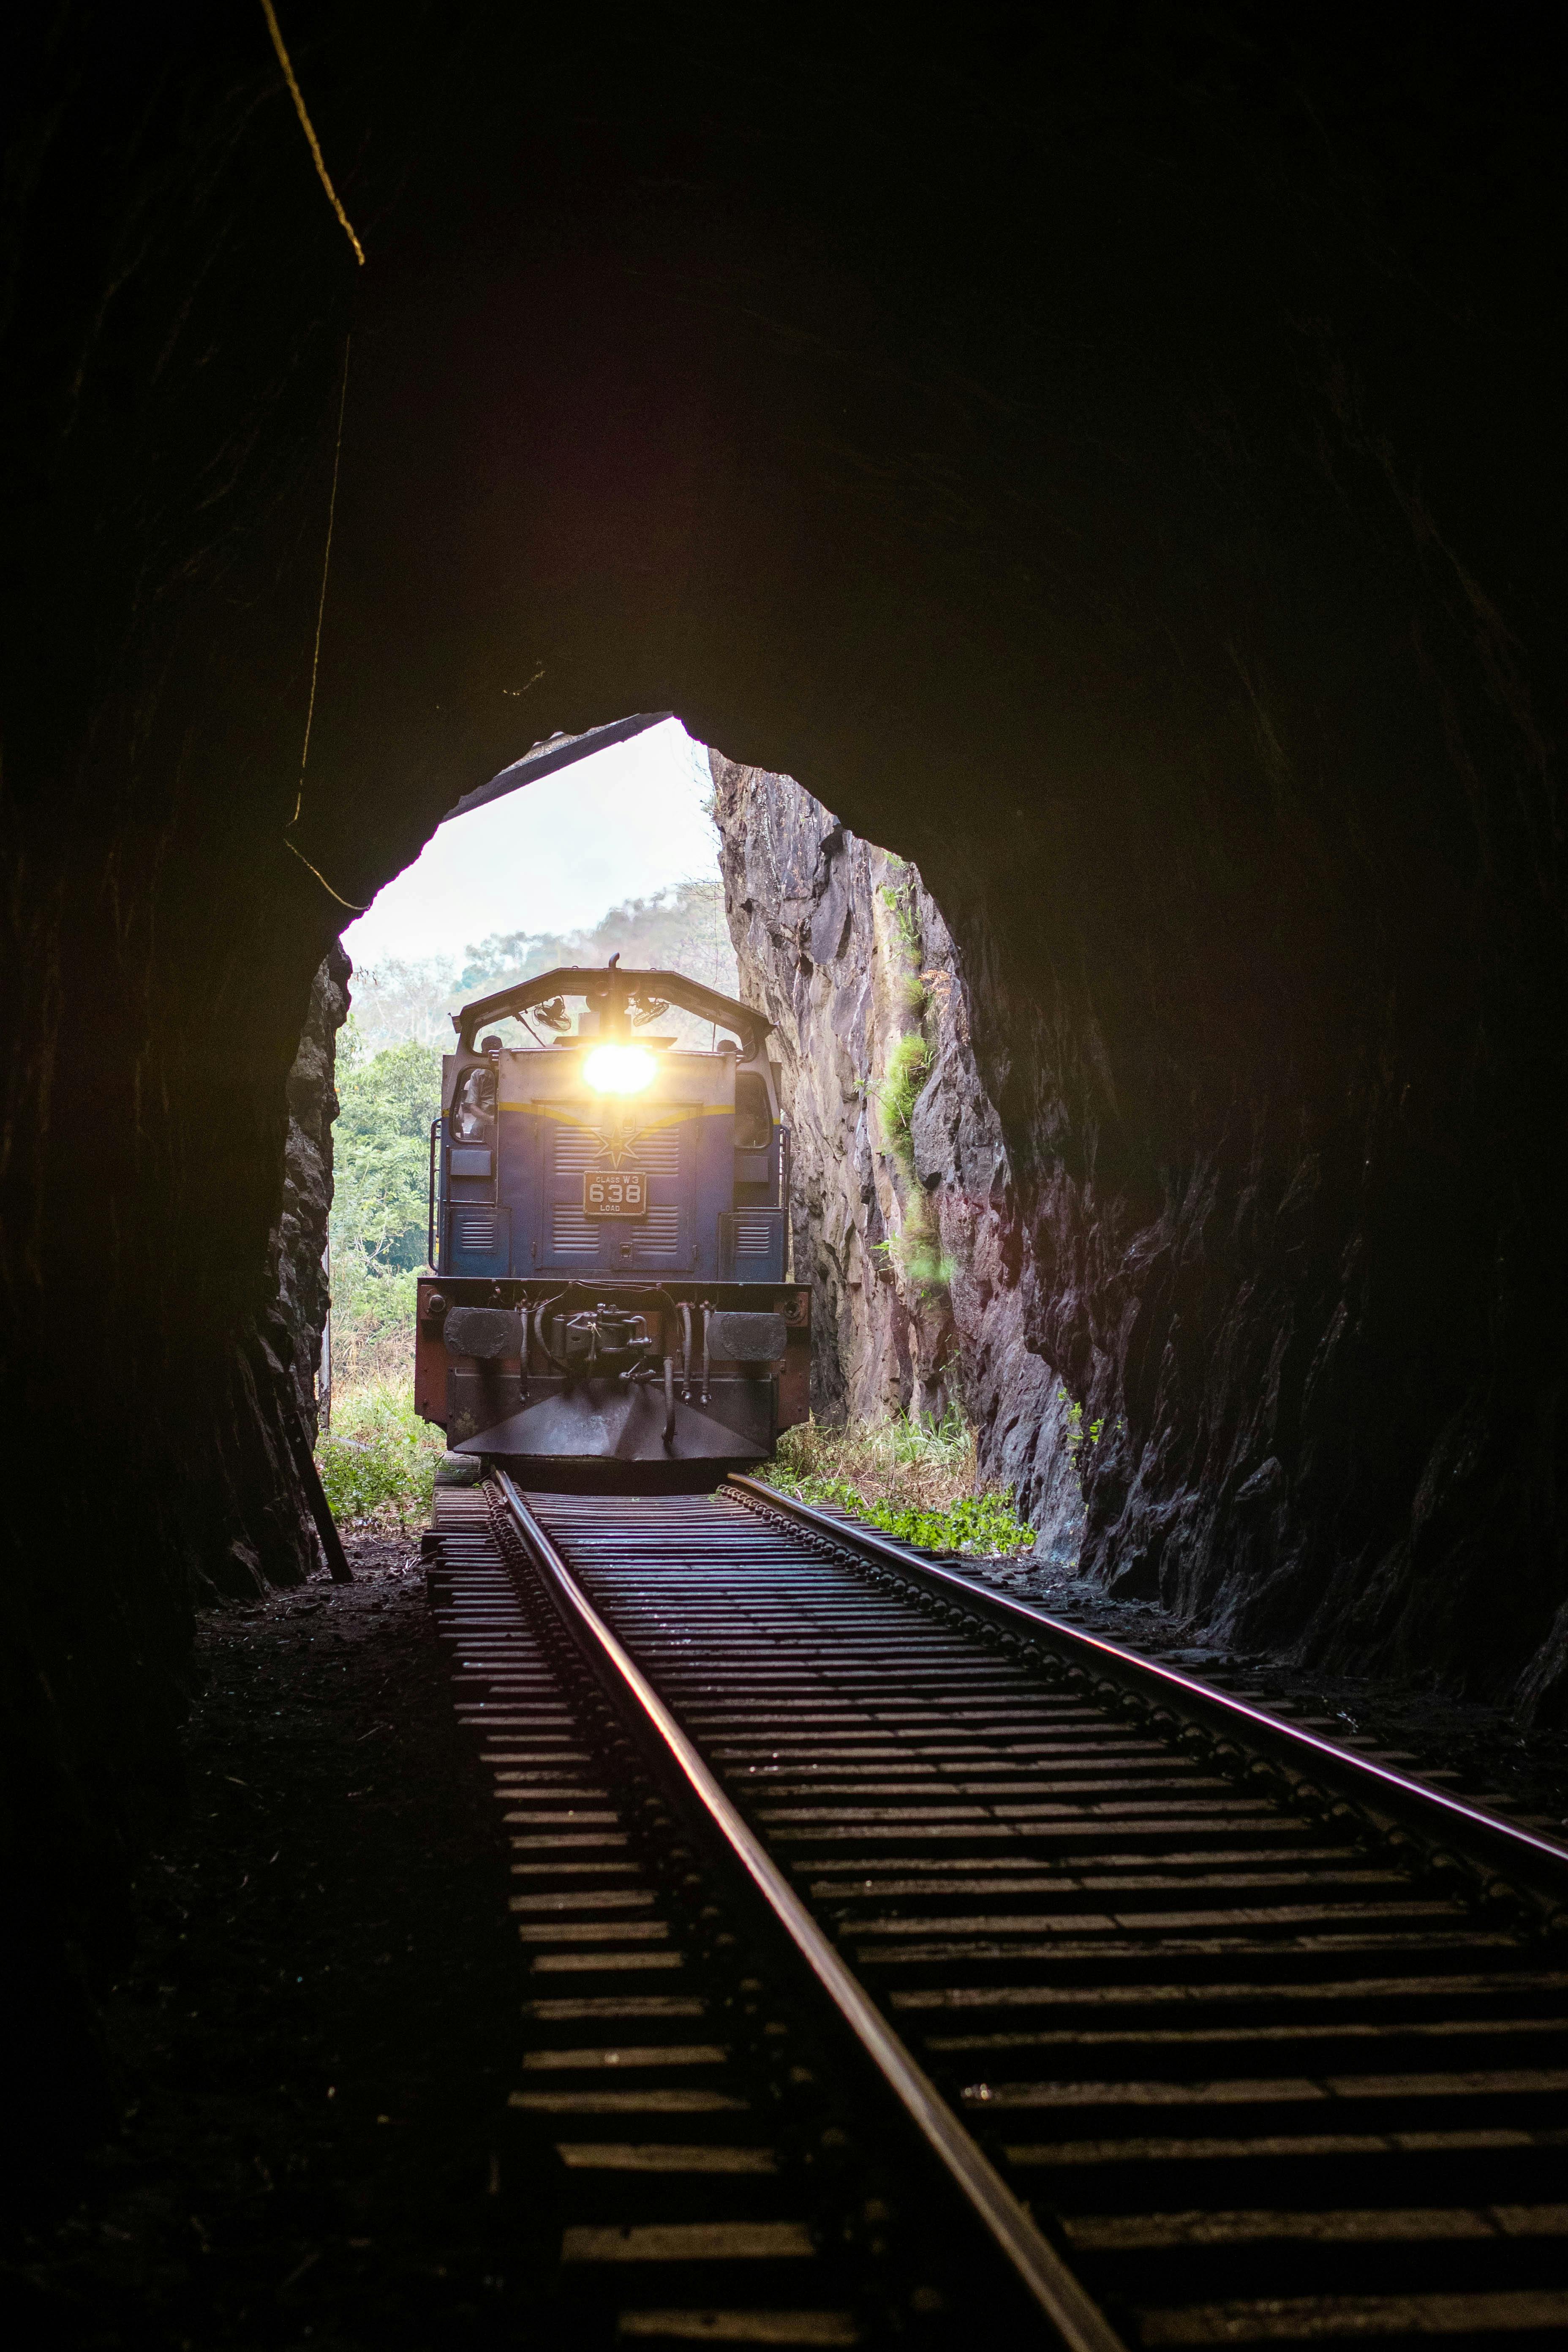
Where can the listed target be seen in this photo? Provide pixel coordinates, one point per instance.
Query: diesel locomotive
(608, 1306)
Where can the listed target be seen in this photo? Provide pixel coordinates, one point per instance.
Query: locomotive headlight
(618, 1069)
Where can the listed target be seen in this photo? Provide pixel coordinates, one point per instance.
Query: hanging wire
(316, 652)
(326, 564)
(309, 128)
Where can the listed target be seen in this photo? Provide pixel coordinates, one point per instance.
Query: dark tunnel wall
(1117, 467)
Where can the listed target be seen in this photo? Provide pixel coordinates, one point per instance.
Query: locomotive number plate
(615, 1193)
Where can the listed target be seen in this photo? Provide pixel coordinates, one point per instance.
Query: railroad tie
(1264, 2068)
(673, 2218)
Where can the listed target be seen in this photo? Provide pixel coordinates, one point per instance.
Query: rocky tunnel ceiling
(1114, 463)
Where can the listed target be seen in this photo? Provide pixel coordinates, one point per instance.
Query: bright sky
(552, 856)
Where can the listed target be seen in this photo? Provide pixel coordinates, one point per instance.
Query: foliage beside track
(916, 1479)
(381, 1147)
(378, 1460)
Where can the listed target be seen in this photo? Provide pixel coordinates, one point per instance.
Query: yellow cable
(309, 128)
(323, 881)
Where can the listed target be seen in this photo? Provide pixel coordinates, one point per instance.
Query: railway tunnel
(1112, 467)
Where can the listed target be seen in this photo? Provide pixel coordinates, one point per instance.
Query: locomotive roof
(607, 986)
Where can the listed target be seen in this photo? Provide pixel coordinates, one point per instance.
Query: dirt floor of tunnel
(313, 2043)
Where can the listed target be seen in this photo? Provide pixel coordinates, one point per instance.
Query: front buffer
(612, 1388)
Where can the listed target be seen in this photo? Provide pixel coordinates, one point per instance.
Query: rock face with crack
(913, 1245)
(248, 1524)
(298, 1244)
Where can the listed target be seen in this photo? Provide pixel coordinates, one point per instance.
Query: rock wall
(916, 1260)
(298, 1244)
(248, 1521)
(96, 1652)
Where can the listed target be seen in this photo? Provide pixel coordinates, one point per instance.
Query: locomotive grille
(579, 1147)
(659, 1237)
(474, 1230)
(572, 1235)
(754, 1234)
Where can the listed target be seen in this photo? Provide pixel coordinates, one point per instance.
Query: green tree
(380, 1164)
(681, 928)
(396, 998)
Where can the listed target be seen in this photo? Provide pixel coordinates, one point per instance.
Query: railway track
(955, 1972)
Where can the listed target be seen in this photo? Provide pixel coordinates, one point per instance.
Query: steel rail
(1489, 1837)
(1077, 2321)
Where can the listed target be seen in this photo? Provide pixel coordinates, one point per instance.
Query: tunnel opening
(1138, 527)
(866, 1065)
(604, 1265)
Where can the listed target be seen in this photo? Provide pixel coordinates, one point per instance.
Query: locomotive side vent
(572, 1235)
(657, 1242)
(474, 1231)
(751, 1243)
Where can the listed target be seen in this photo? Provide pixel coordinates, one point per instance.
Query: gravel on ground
(314, 2038)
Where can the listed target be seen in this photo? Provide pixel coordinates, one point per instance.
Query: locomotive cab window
(753, 1115)
(474, 1110)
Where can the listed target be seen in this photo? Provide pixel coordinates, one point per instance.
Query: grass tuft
(378, 1461)
(913, 1478)
(917, 1252)
(908, 1066)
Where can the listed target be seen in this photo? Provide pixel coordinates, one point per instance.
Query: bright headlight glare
(618, 1069)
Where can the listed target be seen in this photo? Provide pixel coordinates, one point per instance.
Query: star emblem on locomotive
(617, 1131)
(617, 1146)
